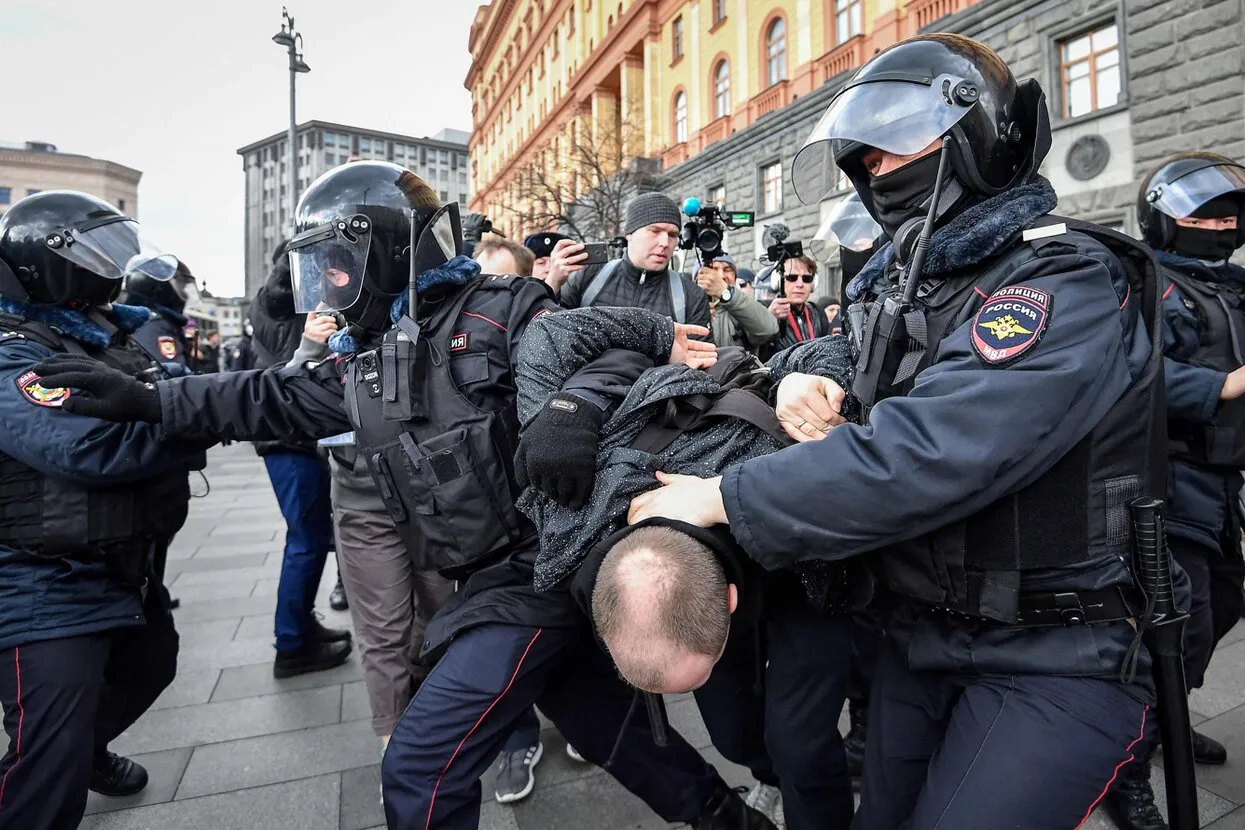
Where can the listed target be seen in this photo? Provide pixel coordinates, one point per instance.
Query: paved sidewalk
(230, 748)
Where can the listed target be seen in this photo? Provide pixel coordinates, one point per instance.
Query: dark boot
(318, 631)
(317, 655)
(1207, 750)
(1130, 804)
(337, 599)
(854, 742)
(117, 776)
(726, 810)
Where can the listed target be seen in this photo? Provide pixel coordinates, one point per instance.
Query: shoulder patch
(28, 385)
(458, 342)
(168, 347)
(1010, 322)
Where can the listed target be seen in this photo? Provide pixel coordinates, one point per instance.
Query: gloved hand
(99, 391)
(558, 451)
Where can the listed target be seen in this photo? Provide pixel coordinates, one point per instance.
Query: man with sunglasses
(799, 318)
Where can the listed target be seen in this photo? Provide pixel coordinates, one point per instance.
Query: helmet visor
(898, 116)
(849, 226)
(113, 248)
(1180, 198)
(328, 263)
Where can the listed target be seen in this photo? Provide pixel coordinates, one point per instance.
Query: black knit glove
(558, 451)
(98, 390)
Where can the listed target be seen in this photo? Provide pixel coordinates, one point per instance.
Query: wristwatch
(726, 295)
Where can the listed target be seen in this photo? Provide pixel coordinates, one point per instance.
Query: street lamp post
(293, 42)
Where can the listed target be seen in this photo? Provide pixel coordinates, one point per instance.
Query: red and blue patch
(29, 386)
(1011, 322)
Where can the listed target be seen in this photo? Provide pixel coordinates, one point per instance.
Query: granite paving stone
(164, 770)
(189, 687)
(215, 722)
(309, 804)
(193, 610)
(182, 567)
(242, 682)
(287, 756)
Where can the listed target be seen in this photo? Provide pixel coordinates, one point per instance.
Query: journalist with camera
(643, 277)
(799, 318)
(738, 319)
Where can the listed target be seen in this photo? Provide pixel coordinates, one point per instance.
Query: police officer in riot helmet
(163, 336)
(1008, 396)
(1190, 211)
(423, 377)
(86, 640)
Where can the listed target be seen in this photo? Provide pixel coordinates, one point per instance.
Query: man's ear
(732, 599)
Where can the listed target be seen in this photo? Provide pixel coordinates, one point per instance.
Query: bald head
(662, 606)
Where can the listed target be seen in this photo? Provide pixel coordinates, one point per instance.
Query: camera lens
(709, 239)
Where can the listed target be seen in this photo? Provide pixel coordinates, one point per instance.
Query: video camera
(708, 227)
(779, 251)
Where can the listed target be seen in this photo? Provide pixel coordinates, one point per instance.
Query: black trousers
(64, 700)
(1215, 578)
(487, 680)
(810, 659)
(732, 705)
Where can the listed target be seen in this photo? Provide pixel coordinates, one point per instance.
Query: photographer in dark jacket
(300, 480)
(641, 279)
(799, 318)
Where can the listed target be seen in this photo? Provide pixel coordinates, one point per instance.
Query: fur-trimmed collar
(76, 325)
(973, 236)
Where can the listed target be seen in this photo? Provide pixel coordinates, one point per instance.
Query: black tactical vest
(1220, 309)
(976, 566)
(51, 516)
(445, 467)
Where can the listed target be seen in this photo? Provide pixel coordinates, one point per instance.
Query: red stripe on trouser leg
(1116, 772)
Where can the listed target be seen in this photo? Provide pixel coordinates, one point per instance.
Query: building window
(722, 89)
(6, 195)
(121, 205)
(771, 188)
(30, 191)
(719, 11)
(676, 38)
(717, 195)
(776, 50)
(1089, 65)
(570, 22)
(445, 195)
(365, 145)
(848, 20)
(680, 117)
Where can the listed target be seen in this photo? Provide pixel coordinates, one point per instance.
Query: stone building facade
(34, 166)
(1177, 65)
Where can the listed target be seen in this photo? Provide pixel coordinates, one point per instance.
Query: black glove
(558, 451)
(99, 391)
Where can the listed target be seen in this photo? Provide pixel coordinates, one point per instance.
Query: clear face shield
(111, 248)
(1181, 197)
(328, 263)
(849, 226)
(900, 116)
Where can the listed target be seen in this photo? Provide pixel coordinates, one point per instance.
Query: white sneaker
(573, 754)
(515, 778)
(768, 800)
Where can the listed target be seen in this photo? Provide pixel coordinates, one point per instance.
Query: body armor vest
(1220, 309)
(976, 566)
(51, 516)
(444, 466)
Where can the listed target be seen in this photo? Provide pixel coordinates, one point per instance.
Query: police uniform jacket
(1202, 500)
(52, 597)
(306, 402)
(989, 416)
(162, 338)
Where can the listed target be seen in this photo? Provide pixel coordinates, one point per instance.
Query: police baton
(1162, 626)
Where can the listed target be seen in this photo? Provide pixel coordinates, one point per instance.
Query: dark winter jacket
(1202, 503)
(551, 352)
(629, 287)
(277, 331)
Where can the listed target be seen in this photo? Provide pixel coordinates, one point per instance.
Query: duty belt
(1065, 608)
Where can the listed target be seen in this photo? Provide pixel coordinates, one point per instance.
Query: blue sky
(173, 89)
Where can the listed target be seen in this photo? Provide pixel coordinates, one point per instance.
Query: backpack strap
(597, 283)
(678, 298)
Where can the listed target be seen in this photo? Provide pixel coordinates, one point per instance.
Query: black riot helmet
(1200, 185)
(364, 231)
(174, 294)
(62, 247)
(915, 93)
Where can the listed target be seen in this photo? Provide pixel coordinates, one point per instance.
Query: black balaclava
(1206, 244)
(904, 194)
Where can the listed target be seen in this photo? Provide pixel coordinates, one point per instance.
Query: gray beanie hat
(651, 209)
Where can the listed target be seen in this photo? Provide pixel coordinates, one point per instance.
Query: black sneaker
(1130, 804)
(726, 810)
(116, 776)
(1207, 750)
(315, 656)
(337, 599)
(318, 631)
